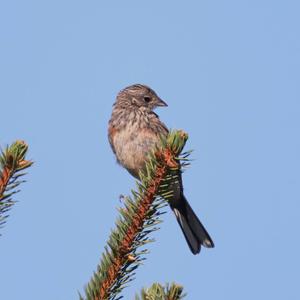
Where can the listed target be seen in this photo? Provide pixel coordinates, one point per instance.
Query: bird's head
(140, 96)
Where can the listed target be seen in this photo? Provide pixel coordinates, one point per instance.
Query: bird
(134, 129)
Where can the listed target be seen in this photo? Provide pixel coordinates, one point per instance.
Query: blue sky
(230, 72)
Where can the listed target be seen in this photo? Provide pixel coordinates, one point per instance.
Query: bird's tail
(193, 230)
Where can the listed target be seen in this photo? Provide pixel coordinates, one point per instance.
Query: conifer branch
(12, 163)
(139, 217)
(159, 292)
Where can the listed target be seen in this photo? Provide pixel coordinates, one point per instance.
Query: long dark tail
(194, 232)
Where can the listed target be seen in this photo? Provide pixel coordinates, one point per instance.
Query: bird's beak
(161, 102)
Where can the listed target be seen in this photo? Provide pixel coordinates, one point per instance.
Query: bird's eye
(147, 99)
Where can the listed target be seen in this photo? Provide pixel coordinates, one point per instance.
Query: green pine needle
(158, 292)
(12, 164)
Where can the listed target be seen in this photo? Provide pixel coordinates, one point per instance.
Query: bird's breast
(132, 146)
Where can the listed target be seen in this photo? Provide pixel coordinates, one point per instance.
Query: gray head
(139, 96)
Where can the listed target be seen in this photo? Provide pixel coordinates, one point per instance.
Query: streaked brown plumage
(134, 129)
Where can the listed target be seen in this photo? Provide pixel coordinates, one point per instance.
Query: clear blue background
(230, 72)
